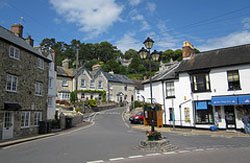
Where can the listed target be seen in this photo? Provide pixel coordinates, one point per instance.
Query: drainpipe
(164, 98)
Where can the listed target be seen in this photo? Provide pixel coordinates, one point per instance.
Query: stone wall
(28, 74)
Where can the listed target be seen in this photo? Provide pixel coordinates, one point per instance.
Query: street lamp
(145, 54)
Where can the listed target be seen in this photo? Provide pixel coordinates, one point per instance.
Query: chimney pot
(30, 41)
(17, 29)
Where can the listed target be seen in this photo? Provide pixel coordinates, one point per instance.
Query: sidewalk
(187, 131)
(5, 143)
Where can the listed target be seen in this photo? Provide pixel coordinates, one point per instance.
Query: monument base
(162, 145)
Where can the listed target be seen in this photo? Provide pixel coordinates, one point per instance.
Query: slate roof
(117, 78)
(237, 55)
(9, 36)
(168, 73)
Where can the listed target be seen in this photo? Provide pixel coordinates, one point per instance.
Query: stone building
(24, 84)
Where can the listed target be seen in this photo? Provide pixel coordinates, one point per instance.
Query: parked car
(137, 118)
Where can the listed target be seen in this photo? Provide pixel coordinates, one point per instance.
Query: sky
(126, 24)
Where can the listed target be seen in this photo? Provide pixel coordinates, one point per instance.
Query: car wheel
(141, 122)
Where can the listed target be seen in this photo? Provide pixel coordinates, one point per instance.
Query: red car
(137, 118)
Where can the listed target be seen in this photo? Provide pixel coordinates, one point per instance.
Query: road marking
(153, 154)
(137, 156)
(116, 159)
(210, 149)
(168, 153)
(184, 151)
(198, 150)
(98, 161)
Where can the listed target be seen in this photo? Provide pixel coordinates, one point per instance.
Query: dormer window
(100, 84)
(64, 82)
(92, 84)
(14, 52)
(83, 84)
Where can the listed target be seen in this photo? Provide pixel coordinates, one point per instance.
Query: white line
(153, 154)
(198, 150)
(210, 149)
(98, 161)
(184, 151)
(137, 156)
(116, 159)
(168, 153)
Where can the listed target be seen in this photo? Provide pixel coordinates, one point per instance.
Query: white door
(8, 125)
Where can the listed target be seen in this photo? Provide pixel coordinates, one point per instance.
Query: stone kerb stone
(162, 145)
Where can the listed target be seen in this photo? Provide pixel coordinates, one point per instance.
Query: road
(109, 139)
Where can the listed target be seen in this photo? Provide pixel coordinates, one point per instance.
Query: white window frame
(14, 53)
(37, 118)
(92, 84)
(50, 101)
(25, 119)
(11, 80)
(170, 90)
(65, 82)
(50, 82)
(100, 85)
(38, 89)
(83, 83)
(40, 63)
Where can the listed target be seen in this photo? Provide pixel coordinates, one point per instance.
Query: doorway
(8, 125)
(230, 117)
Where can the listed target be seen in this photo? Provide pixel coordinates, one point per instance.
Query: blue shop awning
(201, 105)
(244, 99)
(224, 100)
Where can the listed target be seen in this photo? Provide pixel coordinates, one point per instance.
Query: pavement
(9, 142)
(185, 131)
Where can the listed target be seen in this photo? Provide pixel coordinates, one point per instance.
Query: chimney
(17, 29)
(30, 41)
(187, 50)
(65, 63)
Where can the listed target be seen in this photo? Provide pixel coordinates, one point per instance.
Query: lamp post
(145, 54)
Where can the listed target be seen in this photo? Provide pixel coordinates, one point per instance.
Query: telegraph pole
(77, 63)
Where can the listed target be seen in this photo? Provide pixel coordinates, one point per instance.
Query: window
(204, 112)
(14, 52)
(83, 83)
(64, 82)
(92, 84)
(11, 84)
(40, 63)
(100, 84)
(50, 82)
(83, 95)
(49, 101)
(64, 95)
(25, 119)
(233, 80)
(170, 92)
(37, 118)
(38, 88)
(126, 87)
(200, 82)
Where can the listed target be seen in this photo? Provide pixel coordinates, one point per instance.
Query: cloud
(91, 16)
(246, 23)
(144, 24)
(165, 40)
(134, 2)
(233, 39)
(128, 41)
(151, 6)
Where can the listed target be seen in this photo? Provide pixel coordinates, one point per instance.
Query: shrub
(92, 103)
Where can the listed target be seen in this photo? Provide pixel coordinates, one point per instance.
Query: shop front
(230, 109)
